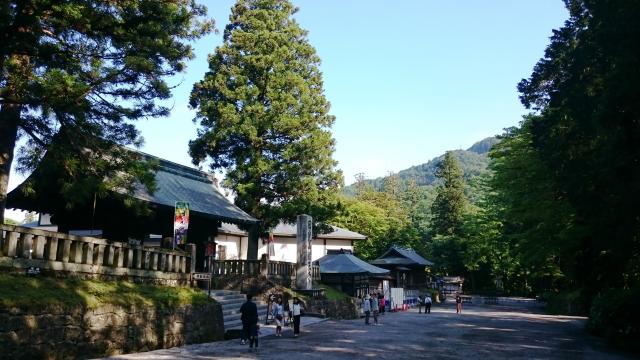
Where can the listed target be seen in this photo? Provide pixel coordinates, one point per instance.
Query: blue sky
(407, 80)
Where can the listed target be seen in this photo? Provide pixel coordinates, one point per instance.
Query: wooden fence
(22, 248)
(253, 268)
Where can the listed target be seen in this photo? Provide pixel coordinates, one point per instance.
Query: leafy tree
(585, 91)
(538, 220)
(369, 220)
(450, 204)
(79, 72)
(264, 118)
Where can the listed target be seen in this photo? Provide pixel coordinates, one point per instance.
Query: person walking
(278, 315)
(296, 310)
(366, 307)
(458, 304)
(421, 304)
(427, 304)
(375, 307)
(249, 319)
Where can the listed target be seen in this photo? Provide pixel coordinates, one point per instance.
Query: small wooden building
(349, 274)
(407, 267)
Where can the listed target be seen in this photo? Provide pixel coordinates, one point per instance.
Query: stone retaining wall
(334, 309)
(79, 333)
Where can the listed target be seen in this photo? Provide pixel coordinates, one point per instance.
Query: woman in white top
(296, 310)
(366, 307)
(278, 315)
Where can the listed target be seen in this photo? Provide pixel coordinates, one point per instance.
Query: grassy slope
(39, 292)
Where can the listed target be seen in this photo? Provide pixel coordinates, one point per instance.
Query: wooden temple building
(114, 216)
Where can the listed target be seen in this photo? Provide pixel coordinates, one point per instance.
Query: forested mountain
(473, 162)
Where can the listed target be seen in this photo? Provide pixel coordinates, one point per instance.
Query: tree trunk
(9, 120)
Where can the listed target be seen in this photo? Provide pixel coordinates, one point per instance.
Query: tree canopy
(263, 116)
(80, 72)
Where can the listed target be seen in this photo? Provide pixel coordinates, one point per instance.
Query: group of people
(424, 300)
(249, 318)
(282, 313)
(372, 303)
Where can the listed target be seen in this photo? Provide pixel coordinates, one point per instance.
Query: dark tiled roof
(174, 182)
(347, 264)
(401, 256)
(181, 183)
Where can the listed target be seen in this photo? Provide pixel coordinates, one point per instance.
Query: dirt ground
(480, 332)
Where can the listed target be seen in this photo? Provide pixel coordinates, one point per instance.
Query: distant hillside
(473, 161)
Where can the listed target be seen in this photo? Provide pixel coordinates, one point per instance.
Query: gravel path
(481, 332)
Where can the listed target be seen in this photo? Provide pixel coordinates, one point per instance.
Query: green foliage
(585, 93)
(615, 314)
(264, 118)
(450, 204)
(331, 293)
(79, 73)
(385, 217)
(37, 293)
(564, 302)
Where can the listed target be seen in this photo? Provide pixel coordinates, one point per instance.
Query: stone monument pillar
(304, 235)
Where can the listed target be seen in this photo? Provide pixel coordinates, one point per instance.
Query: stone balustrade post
(170, 262)
(27, 246)
(191, 249)
(38, 246)
(98, 255)
(66, 250)
(76, 251)
(10, 244)
(138, 258)
(128, 257)
(108, 255)
(146, 260)
(163, 261)
(154, 261)
(118, 257)
(51, 249)
(87, 253)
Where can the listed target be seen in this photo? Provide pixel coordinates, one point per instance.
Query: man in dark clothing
(249, 318)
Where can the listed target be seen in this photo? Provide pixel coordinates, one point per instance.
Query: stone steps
(231, 302)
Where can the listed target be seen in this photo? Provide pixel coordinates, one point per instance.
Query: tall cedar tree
(586, 92)
(78, 73)
(450, 204)
(264, 118)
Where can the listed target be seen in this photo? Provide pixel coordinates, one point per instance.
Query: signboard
(304, 234)
(180, 223)
(201, 276)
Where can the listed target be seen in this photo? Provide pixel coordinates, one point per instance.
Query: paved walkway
(481, 332)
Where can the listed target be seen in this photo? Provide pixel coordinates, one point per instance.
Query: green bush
(565, 303)
(615, 315)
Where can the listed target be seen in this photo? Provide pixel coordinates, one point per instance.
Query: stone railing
(23, 248)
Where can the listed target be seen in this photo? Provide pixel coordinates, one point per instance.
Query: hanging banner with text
(180, 223)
